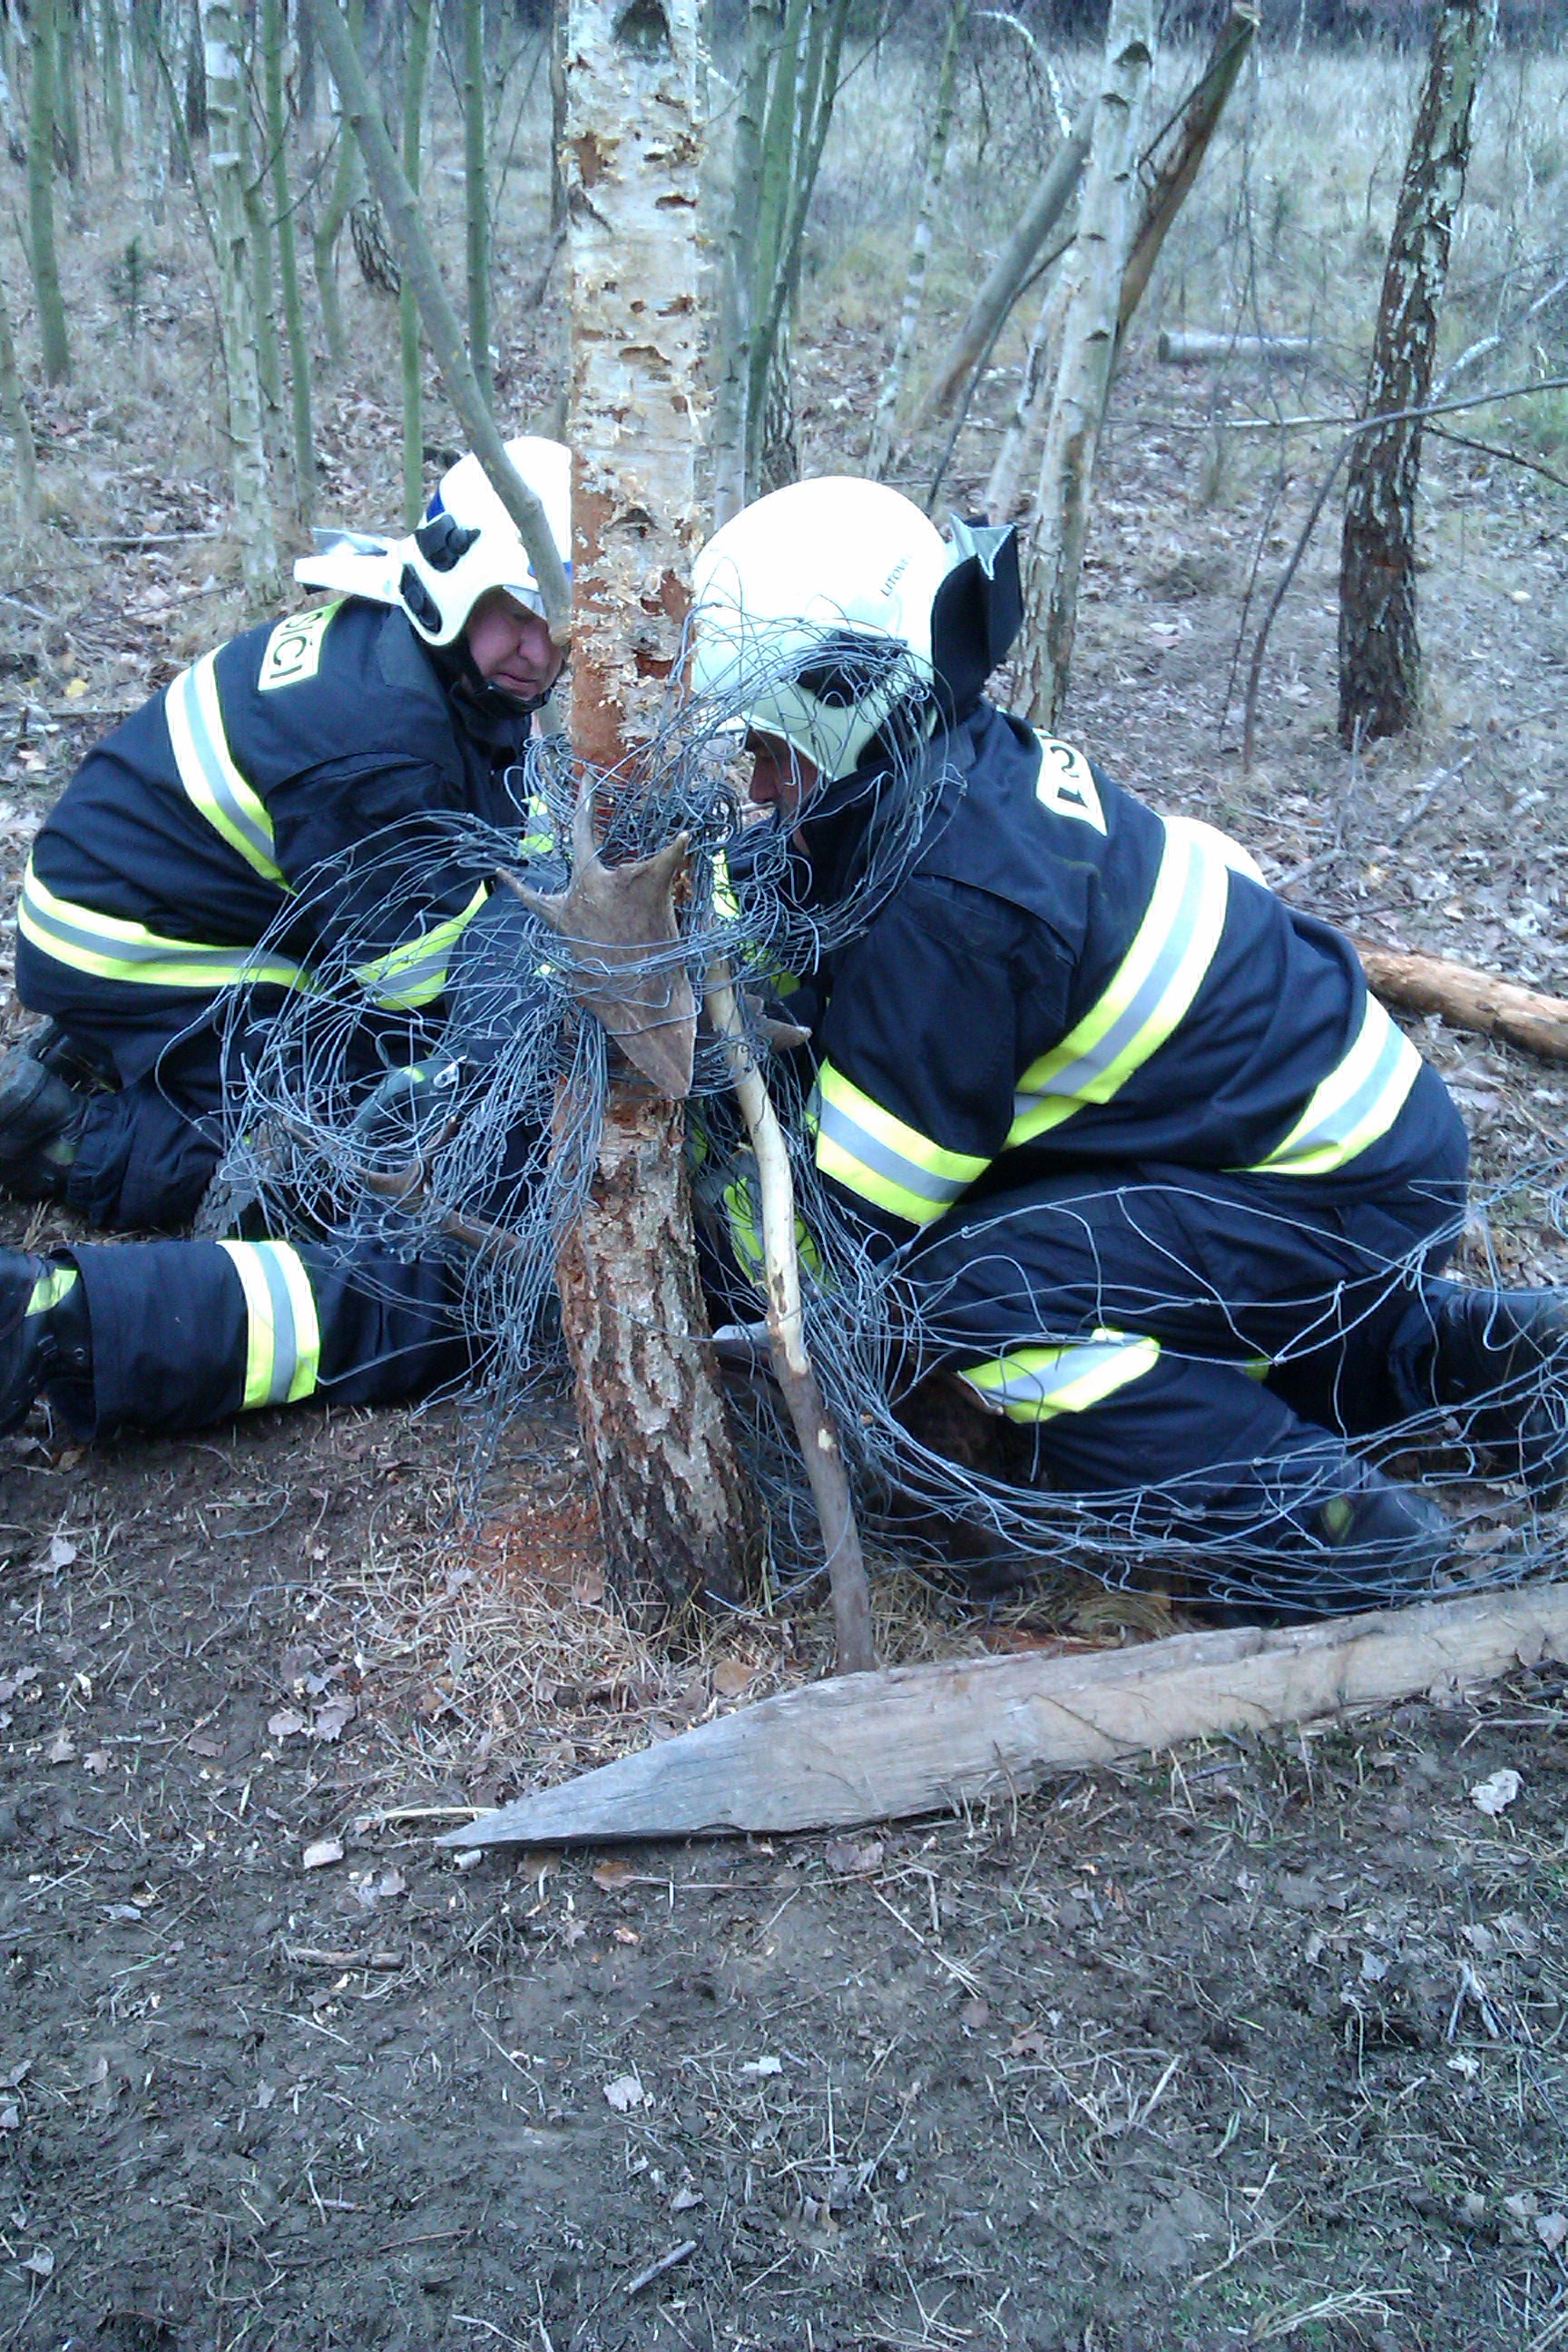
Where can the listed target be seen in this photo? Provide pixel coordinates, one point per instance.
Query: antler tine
(664, 864)
(584, 845)
(546, 905)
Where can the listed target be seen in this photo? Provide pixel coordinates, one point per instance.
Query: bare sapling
(406, 225)
(14, 411)
(274, 44)
(222, 38)
(892, 386)
(416, 74)
(1092, 275)
(1379, 649)
(41, 248)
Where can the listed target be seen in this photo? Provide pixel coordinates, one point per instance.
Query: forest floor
(1259, 2043)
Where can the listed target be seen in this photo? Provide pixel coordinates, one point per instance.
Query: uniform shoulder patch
(1066, 784)
(293, 651)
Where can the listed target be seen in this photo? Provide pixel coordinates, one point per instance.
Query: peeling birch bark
(1380, 650)
(1092, 292)
(673, 1508)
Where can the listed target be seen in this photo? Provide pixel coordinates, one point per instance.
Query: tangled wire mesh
(469, 1132)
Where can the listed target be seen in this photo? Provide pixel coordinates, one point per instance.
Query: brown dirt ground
(1260, 2043)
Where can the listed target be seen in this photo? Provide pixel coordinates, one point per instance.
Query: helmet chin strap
(458, 667)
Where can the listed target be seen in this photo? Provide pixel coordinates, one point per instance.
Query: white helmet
(466, 545)
(822, 608)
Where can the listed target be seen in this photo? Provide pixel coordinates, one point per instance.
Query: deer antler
(618, 917)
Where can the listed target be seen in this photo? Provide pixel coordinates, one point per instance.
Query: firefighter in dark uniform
(1172, 1190)
(246, 820)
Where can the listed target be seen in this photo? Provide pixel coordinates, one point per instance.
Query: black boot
(44, 1331)
(40, 1125)
(1382, 1544)
(1500, 1363)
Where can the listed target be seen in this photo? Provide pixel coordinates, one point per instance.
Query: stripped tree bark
(1466, 999)
(1380, 650)
(1092, 275)
(881, 443)
(673, 1508)
(922, 1739)
(222, 40)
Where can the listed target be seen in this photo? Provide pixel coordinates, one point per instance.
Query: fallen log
(920, 1740)
(1181, 348)
(1466, 999)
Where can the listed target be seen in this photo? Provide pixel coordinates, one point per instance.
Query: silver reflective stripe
(837, 1127)
(1035, 1384)
(285, 1339)
(110, 947)
(1357, 1102)
(212, 782)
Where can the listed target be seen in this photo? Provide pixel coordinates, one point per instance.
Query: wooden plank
(916, 1739)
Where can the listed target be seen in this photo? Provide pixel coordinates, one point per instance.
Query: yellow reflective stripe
(49, 1289)
(877, 1156)
(538, 841)
(1355, 1104)
(283, 1337)
(726, 905)
(415, 972)
(1036, 1384)
(1147, 998)
(745, 1224)
(212, 783)
(108, 947)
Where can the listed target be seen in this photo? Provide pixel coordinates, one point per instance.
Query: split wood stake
(922, 1739)
(819, 1445)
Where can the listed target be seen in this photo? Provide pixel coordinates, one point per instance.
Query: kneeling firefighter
(272, 794)
(1171, 1190)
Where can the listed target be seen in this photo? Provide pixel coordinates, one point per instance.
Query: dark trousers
(170, 1332)
(1288, 1320)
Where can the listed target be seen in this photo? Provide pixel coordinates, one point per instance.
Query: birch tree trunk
(1092, 288)
(416, 72)
(1380, 651)
(476, 192)
(274, 40)
(672, 1505)
(41, 249)
(14, 412)
(248, 451)
(881, 443)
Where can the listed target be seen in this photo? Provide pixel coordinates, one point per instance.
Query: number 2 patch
(1066, 784)
(294, 649)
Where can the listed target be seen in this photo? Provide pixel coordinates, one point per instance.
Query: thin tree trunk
(477, 191)
(444, 337)
(733, 371)
(14, 409)
(415, 69)
(329, 231)
(247, 449)
(268, 350)
(1091, 289)
(672, 1504)
(881, 443)
(1380, 650)
(112, 45)
(41, 249)
(274, 35)
(1005, 281)
(67, 117)
(1163, 199)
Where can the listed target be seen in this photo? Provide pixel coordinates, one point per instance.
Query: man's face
(781, 778)
(512, 646)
